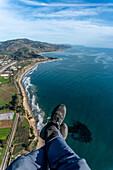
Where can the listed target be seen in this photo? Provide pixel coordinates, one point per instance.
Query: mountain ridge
(25, 48)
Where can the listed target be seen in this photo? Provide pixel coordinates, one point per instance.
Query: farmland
(6, 123)
(6, 92)
(4, 132)
(4, 80)
(21, 136)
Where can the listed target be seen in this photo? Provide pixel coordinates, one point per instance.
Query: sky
(76, 22)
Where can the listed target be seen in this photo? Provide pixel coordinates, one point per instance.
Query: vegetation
(4, 135)
(2, 103)
(11, 105)
(25, 124)
(2, 151)
(34, 144)
(21, 139)
(14, 117)
(24, 51)
(6, 92)
(13, 102)
(5, 111)
(24, 48)
(80, 132)
(1, 57)
(17, 149)
(4, 80)
(4, 132)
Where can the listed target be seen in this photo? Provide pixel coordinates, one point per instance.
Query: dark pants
(56, 152)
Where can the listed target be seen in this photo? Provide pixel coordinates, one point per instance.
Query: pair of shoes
(57, 118)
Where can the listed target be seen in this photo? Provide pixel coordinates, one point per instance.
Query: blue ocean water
(83, 80)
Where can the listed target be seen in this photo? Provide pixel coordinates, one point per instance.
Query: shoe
(58, 115)
(49, 128)
(56, 120)
(64, 130)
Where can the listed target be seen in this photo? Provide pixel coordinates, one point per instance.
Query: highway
(5, 67)
(4, 161)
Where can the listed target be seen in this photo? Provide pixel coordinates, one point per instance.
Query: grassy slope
(24, 48)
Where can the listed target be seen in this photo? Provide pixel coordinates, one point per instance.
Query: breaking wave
(33, 99)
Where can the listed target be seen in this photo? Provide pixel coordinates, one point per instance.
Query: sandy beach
(32, 121)
(27, 108)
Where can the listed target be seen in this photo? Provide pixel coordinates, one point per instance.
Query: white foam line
(33, 69)
(32, 97)
(50, 61)
(33, 100)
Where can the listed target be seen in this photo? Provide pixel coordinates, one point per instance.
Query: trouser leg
(33, 161)
(60, 155)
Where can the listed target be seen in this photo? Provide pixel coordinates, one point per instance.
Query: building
(6, 75)
(13, 68)
(7, 116)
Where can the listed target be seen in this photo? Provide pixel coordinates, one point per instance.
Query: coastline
(32, 120)
(50, 52)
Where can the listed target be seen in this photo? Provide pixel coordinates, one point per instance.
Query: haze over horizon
(88, 23)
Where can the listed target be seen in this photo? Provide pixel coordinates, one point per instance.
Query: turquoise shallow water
(83, 81)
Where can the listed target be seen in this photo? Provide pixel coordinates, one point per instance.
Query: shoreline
(25, 98)
(32, 121)
(50, 52)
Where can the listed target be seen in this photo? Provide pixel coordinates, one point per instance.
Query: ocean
(82, 80)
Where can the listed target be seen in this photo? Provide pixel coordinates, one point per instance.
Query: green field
(4, 80)
(4, 132)
(21, 138)
(14, 117)
(2, 103)
(25, 123)
(2, 151)
(5, 111)
(6, 92)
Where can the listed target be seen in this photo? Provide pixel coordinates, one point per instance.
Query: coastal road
(5, 67)
(4, 161)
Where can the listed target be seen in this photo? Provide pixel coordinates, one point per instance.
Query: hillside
(24, 48)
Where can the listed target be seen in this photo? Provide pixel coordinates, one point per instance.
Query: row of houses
(10, 70)
(4, 62)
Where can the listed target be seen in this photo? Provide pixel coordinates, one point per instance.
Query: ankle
(51, 132)
(56, 124)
